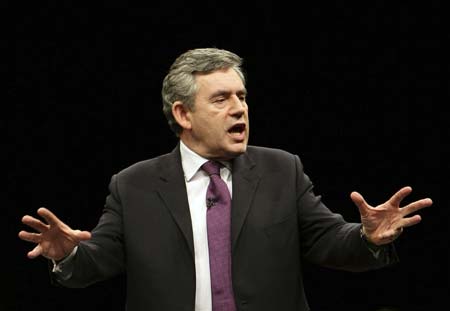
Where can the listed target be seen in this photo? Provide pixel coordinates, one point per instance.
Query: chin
(235, 151)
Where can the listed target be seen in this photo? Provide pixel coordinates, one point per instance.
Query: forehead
(224, 79)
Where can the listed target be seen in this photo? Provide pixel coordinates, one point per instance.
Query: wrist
(366, 240)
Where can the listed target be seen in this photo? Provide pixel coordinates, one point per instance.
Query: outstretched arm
(55, 240)
(382, 224)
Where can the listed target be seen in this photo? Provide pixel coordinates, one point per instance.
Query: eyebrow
(227, 93)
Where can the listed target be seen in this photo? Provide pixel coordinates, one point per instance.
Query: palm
(383, 223)
(56, 243)
(54, 239)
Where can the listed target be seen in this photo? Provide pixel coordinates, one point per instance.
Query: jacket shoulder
(259, 152)
(148, 167)
(274, 159)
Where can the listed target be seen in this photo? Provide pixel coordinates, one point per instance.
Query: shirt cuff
(58, 266)
(376, 250)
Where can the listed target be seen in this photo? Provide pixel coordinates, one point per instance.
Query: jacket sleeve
(102, 256)
(330, 241)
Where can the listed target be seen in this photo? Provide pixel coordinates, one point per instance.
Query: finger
(392, 234)
(34, 223)
(37, 251)
(397, 198)
(417, 205)
(388, 235)
(410, 221)
(82, 235)
(359, 202)
(49, 217)
(30, 236)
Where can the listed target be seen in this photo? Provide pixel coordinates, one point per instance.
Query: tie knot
(212, 168)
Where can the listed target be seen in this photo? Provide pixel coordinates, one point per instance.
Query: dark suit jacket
(277, 222)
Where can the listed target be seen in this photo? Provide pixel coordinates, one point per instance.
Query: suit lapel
(245, 181)
(173, 192)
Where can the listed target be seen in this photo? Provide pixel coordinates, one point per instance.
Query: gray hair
(180, 84)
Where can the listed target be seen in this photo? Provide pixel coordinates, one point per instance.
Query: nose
(238, 106)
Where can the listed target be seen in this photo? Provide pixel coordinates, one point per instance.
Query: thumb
(82, 235)
(359, 201)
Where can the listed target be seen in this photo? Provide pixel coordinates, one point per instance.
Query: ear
(181, 115)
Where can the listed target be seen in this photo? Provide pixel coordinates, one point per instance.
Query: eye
(219, 101)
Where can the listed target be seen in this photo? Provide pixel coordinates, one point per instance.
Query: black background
(356, 90)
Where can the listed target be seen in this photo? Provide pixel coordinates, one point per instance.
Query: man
(155, 225)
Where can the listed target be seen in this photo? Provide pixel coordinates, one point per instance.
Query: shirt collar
(192, 162)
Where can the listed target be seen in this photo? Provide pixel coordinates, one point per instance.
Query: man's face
(219, 120)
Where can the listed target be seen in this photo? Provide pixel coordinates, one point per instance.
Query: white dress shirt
(196, 184)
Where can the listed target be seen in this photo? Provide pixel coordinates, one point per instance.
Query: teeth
(237, 129)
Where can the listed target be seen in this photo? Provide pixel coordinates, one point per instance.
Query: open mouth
(237, 128)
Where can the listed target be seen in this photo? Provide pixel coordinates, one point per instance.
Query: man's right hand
(55, 240)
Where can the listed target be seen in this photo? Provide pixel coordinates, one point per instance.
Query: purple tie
(218, 202)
